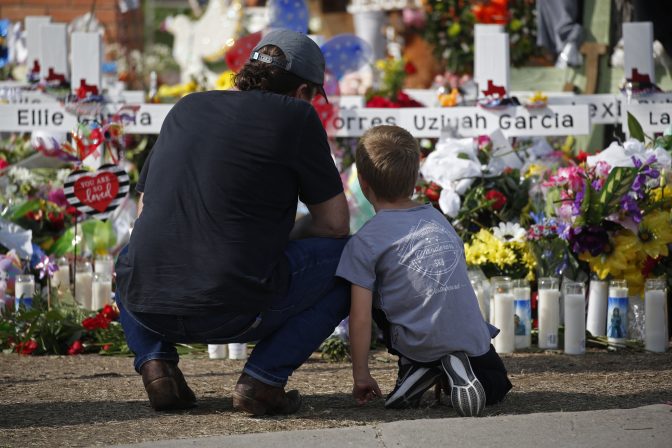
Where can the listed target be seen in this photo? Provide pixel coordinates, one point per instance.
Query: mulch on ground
(99, 400)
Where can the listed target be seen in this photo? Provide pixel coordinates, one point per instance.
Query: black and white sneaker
(412, 382)
(466, 392)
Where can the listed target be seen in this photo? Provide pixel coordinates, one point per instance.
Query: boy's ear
(362, 183)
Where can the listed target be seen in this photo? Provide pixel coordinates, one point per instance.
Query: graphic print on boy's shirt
(431, 250)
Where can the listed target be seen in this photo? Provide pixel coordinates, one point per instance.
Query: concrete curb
(648, 426)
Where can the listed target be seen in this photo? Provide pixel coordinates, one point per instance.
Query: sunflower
(653, 235)
(617, 257)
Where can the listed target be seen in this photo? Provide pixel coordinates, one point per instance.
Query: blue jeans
(287, 333)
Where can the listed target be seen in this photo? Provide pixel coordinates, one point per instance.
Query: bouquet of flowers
(614, 211)
(389, 93)
(61, 330)
(450, 29)
(34, 200)
(501, 251)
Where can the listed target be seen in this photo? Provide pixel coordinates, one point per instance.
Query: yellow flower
(654, 234)
(655, 231)
(225, 81)
(624, 250)
(633, 275)
(661, 193)
(535, 170)
(486, 248)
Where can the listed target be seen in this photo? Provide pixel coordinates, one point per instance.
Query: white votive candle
(237, 351)
(24, 290)
(84, 285)
(575, 324)
(104, 265)
(617, 312)
(505, 340)
(481, 298)
(61, 278)
(549, 318)
(522, 319)
(218, 351)
(656, 331)
(597, 308)
(101, 293)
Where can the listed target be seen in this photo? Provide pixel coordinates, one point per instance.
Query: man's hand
(365, 389)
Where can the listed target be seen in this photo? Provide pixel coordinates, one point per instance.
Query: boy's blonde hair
(388, 159)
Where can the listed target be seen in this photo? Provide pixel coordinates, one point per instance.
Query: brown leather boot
(257, 398)
(166, 387)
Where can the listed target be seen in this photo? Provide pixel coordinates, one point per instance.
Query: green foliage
(94, 235)
(635, 128)
(334, 349)
(56, 329)
(450, 31)
(477, 212)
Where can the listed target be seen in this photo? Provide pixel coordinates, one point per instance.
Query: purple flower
(46, 266)
(592, 239)
(631, 208)
(57, 196)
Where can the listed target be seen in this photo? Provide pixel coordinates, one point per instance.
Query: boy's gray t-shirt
(413, 262)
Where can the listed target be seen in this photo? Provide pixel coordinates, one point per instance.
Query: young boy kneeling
(407, 263)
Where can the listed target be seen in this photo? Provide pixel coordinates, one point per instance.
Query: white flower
(62, 176)
(509, 231)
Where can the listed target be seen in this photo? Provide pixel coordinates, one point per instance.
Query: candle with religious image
(655, 303)
(101, 291)
(617, 312)
(549, 312)
(24, 290)
(504, 342)
(575, 317)
(522, 318)
(84, 284)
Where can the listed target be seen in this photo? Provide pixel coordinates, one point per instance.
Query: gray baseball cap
(304, 57)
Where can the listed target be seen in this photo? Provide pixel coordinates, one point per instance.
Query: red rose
(409, 68)
(103, 322)
(34, 216)
(109, 312)
(432, 194)
(72, 211)
(26, 348)
(3, 163)
(90, 323)
(106, 347)
(582, 156)
(76, 348)
(56, 219)
(403, 100)
(499, 200)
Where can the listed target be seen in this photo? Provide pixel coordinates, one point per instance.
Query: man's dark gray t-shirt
(220, 195)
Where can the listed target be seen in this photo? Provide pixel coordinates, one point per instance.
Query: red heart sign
(97, 191)
(97, 194)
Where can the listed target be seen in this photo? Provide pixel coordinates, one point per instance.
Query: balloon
(291, 14)
(240, 52)
(346, 53)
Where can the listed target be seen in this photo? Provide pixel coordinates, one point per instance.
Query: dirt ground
(97, 400)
